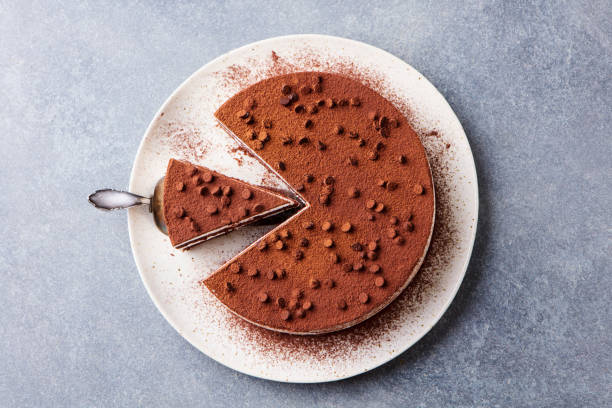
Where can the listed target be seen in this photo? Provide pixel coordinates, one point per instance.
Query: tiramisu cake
(363, 174)
(200, 204)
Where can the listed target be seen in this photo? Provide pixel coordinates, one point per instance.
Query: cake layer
(352, 156)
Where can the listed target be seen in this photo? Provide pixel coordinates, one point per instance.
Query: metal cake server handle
(109, 199)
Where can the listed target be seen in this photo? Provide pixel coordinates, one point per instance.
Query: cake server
(109, 199)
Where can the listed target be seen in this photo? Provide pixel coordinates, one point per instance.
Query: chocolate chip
(327, 226)
(298, 254)
(338, 129)
(299, 108)
(280, 273)
(374, 268)
(285, 315)
(198, 180)
(211, 209)
(281, 166)
(380, 207)
(320, 102)
(402, 159)
(361, 142)
(330, 103)
(327, 189)
(263, 297)
(398, 240)
(347, 267)
(324, 199)
(267, 123)
(346, 227)
(179, 186)
(229, 287)
(371, 217)
(249, 120)
(371, 255)
(328, 243)
(385, 132)
(343, 102)
(253, 272)
(312, 109)
(258, 207)
(334, 258)
(307, 305)
(300, 313)
(299, 187)
(391, 232)
(281, 302)
(370, 204)
(309, 178)
(227, 191)
(379, 146)
(341, 304)
(179, 212)
(262, 246)
(353, 192)
(353, 135)
(364, 298)
(408, 226)
(285, 101)
(372, 246)
(373, 155)
(393, 220)
(246, 194)
(303, 140)
(286, 89)
(372, 115)
(381, 183)
(235, 268)
(216, 191)
(355, 102)
(191, 171)
(329, 283)
(280, 245)
(321, 146)
(357, 247)
(418, 189)
(263, 136)
(225, 201)
(308, 123)
(305, 89)
(243, 212)
(202, 190)
(287, 140)
(358, 266)
(379, 281)
(314, 283)
(304, 242)
(242, 114)
(308, 225)
(383, 122)
(297, 293)
(249, 103)
(271, 275)
(251, 134)
(352, 161)
(328, 180)
(285, 233)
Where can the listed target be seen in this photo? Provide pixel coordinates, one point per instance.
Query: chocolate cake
(352, 157)
(200, 203)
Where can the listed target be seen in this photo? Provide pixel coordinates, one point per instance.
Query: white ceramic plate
(185, 128)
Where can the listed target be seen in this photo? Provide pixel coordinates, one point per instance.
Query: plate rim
(472, 170)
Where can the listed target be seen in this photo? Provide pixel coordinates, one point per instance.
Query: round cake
(363, 176)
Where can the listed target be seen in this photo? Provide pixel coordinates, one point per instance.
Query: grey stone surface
(531, 83)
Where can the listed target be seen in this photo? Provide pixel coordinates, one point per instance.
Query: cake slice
(200, 203)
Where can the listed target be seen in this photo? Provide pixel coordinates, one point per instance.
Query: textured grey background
(531, 83)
